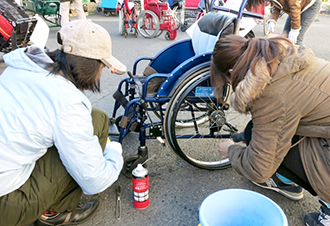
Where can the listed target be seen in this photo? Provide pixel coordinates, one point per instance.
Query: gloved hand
(113, 146)
(293, 34)
(271, 25)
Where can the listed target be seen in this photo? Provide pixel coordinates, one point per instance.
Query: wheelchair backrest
(179, 57)
(209, 29)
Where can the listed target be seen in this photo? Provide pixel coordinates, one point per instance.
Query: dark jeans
(49, 187)
(291, 167)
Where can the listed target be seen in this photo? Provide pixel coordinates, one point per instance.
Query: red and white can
(140, 187)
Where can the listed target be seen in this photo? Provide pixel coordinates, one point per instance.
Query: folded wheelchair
(174, 102)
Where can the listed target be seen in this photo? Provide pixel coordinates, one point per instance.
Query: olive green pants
(49, 187)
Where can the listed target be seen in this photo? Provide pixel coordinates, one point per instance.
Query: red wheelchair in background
(156, 17)
(127, 12)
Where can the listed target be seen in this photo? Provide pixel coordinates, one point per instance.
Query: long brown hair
(241, 54)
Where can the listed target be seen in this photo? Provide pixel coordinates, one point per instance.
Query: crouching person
(53, 144)
(285, 89)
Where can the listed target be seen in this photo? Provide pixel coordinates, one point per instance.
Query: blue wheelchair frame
(173, 63)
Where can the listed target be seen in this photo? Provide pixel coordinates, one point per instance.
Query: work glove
(271, 25)
(113, 146)
(293, 34)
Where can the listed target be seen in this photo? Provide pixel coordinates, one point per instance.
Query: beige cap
(87, 39)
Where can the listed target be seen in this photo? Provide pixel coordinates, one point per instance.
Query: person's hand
(293, 34)
(223, 148)
(271, 25)
(114, 146)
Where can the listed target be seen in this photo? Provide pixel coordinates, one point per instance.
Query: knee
(100, 116)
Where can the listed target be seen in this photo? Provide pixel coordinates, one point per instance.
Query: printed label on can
(141, 192)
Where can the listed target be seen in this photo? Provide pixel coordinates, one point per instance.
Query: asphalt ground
(176, 188)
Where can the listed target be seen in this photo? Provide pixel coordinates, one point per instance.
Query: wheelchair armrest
(148, 80)
(140, 59)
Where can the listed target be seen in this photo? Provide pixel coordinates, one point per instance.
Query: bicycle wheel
(197, 144)
(148, 24)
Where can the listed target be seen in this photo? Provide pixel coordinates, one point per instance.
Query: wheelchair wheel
(194, 99)
(187, 123)
(178, 14)
(148, 24)
(184, 26)
(158, 34)
(121, 22)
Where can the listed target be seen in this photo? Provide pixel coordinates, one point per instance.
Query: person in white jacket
(53, 145)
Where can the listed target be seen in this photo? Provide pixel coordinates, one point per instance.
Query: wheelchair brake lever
(130, 74)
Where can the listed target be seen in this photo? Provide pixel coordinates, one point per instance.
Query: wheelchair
(154, 18)
(127, 17)
(174, 102)
(49, 10)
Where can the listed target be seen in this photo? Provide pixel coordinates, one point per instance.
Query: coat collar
(253, 84)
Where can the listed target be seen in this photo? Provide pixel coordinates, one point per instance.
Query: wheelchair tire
(184, 26)
(158, 34)
(148, 24)
(198, 144)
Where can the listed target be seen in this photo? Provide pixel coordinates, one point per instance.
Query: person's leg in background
(64, 12)
(50, 187)
(307, 19)
(79, 9)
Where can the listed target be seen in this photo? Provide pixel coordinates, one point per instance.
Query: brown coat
(295, 100)
(293, 8)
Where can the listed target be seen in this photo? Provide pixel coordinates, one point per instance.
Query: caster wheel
(184, 27)
(107, 13)
(167, 36)
(130, 164)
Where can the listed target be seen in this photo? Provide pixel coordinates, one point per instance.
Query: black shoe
(79, 215)
(289, 190)
(319, 219)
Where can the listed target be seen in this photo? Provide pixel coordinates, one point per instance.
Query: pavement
(177, 189)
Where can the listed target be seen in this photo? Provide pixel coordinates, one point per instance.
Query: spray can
(140, 187)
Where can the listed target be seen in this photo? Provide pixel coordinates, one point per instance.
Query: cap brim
(114, 65)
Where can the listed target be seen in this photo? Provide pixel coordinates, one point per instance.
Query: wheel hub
(217, 118)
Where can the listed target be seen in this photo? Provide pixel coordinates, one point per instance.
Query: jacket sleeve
(295, 13)
(291, 7)
(81, 153)
(275, 13)
(274, 125)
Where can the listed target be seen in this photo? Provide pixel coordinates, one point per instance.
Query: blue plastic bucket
(240, 207)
